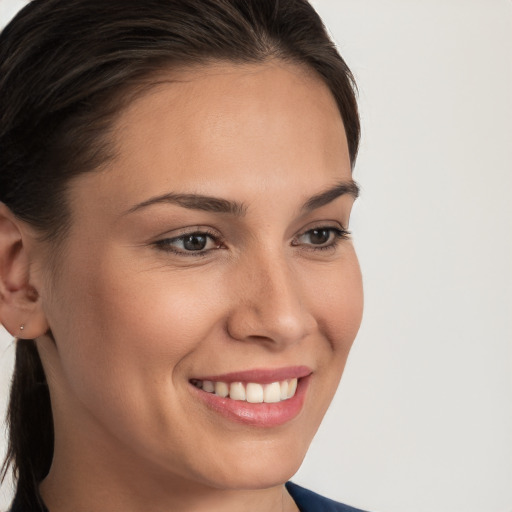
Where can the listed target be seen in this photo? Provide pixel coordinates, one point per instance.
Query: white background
(423, 419)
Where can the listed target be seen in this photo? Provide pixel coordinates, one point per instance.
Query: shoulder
(309, 501)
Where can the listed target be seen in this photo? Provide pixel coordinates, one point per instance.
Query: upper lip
(261, 375)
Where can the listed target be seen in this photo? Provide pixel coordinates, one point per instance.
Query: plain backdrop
(422, 421)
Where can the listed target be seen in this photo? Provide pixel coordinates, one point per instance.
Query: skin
(132, 323)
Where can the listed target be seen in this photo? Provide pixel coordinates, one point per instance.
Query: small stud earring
(22, 327)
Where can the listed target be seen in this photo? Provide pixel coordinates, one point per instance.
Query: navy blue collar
(309, 501)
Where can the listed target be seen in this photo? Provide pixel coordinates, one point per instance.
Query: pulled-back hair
(67, 69)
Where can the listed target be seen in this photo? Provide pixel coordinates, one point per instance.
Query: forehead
(226, 129)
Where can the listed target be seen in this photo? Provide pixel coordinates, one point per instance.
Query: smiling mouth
(251, 392)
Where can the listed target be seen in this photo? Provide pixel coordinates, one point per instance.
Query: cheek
(142, 317)
(336, 300)
(126, 337)
(338, 304)
(125, 331)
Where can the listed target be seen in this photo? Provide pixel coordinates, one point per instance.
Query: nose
(269, 304)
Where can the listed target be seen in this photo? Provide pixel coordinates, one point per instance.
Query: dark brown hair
(67, 68)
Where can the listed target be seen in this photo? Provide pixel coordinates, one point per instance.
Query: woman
(175, 261)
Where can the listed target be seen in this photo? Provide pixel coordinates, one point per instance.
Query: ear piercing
(22, 326)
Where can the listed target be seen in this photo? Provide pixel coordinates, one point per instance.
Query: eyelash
(166, 243)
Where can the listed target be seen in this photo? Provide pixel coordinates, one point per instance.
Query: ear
(21, 312)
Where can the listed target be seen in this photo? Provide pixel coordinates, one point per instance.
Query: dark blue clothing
(307, 501)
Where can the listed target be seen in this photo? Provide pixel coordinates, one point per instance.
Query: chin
(259, 466)
(254, 476)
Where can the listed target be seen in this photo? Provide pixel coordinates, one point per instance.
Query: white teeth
(283, 388)
(221, 389)
(272, 393)
(254, 393)
(251, 392)
(292, 387)
(208, 386)
(237, 391)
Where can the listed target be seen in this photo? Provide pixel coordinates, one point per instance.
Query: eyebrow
(237, 209)
(342, 188)
(196, 202)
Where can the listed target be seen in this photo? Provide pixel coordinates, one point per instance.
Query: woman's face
(210, 253)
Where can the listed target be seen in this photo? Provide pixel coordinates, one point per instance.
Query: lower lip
(258, 415)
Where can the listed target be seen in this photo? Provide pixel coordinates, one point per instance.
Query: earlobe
(20, 305)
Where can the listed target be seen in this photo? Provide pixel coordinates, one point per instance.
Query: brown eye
(198, 243)
(195, 242)
(319, 236)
